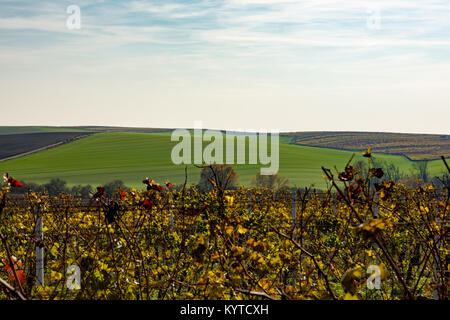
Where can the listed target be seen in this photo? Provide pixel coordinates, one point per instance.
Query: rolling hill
(130, 157)
(17, 141)
(413, 146)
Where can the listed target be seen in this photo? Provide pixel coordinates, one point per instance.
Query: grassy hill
(413, 146)
(21, 140)
(130, 157)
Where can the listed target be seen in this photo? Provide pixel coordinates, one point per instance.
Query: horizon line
(240, 130)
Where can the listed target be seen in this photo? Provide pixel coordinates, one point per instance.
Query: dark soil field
(17, 144)
(413, 146)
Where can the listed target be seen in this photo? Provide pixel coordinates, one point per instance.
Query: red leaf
(20, 276)
(147, 203)
(169, 184)
(17, 264)
(100, 192)
(12, 182)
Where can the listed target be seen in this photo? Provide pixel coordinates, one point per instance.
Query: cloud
(256, 51)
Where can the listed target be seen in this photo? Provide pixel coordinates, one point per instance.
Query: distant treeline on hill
(57, 186)
(224, 176)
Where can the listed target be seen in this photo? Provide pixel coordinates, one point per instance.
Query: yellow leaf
(242, 230)
(369, 253)
(367, 153)
(424, 209)
(349, 296)
(56, 275)
(230, 200)
(383, 271)
(54, 250)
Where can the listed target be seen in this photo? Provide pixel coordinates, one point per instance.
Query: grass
(131, 157)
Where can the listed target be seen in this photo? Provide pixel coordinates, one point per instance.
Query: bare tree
(421, 168)
(270, 181)
(221, 175)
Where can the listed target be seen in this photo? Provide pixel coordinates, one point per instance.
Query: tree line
(228, 179)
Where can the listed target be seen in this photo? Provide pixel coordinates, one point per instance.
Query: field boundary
(361, 150)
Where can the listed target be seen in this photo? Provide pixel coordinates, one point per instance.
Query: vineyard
(166, 243)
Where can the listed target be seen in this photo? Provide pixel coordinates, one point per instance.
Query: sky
(288, 65)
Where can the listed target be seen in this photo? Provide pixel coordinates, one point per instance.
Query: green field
(131, 157)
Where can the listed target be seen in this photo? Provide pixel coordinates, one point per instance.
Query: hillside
(21, 140)
(130, 157)
(413, 146)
